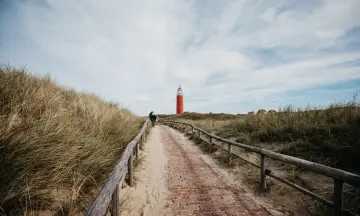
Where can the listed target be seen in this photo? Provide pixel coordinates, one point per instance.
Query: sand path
(179, 179)
(148, 195)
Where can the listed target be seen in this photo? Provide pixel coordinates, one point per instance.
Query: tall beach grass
(57, 145)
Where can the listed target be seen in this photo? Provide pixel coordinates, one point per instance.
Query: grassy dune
(203, 116)
(328, 135)
(57, 146)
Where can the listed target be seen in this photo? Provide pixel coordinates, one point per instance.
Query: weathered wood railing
(108, 196)
(339, 176)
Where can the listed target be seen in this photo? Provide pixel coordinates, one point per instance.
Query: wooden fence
(339, 176)
(108, 196)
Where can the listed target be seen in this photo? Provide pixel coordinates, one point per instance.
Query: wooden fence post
(115, 202)
(130, 170)
(262, 173)
(137, 150)
(229, 154)
(142, 142)
(338, 197)
(210, 145)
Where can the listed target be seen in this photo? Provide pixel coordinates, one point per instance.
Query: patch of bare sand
(147, 197)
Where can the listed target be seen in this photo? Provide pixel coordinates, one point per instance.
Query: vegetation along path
(194, 184)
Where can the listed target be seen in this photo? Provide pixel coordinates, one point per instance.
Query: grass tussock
(57, 146)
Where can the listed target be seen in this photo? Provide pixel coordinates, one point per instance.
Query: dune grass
(328, 135)
(57, 146)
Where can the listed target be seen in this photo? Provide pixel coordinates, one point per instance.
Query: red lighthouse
(179, 101)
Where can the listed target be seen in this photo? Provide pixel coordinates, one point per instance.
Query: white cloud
(142, 97)
(138, 52)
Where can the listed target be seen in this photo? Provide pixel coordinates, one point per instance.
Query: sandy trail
(148, 195)
(179, 179)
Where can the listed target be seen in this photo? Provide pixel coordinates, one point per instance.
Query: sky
(230, 56)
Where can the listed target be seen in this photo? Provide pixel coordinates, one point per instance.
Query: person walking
(152, 117)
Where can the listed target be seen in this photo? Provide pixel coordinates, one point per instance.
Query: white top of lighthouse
(179, 91)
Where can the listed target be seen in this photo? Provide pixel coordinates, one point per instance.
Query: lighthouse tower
(179, 101)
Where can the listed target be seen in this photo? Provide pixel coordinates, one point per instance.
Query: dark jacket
(152, 117)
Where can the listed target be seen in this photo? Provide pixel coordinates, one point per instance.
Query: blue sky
(229, 56)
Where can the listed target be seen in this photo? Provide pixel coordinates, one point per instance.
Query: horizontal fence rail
(339, 176)
(108, 196)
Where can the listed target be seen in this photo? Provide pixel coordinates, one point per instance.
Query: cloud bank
(229, 56)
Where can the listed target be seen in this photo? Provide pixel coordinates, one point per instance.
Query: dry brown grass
(202, 116)
(328, 135)
(57, 146)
